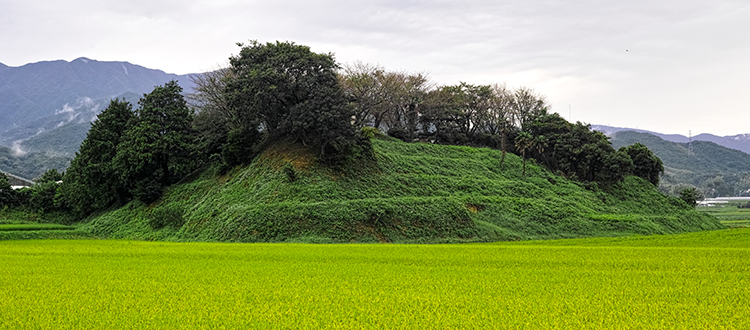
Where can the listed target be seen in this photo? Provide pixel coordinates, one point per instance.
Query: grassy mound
(413, 193)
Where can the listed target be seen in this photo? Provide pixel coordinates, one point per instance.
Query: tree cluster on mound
(403, 105)
(281, 90)
(407, 106)
(276, 91)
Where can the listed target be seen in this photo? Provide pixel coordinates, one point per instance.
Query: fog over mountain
(47, 106)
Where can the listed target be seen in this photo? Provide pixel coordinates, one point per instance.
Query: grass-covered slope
(412, 193)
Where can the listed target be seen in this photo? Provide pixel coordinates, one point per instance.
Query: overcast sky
(665, 66)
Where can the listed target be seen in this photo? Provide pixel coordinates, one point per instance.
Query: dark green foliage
(155, 150)
(243, 144)
(457, 113)
(578, 152)
(646, 164)
(290, 172)
(93, 181)
(166, 216)
(129, 154)
(616, 166)
(401, 134)
(42, 198)
(7, 194)
(288, 92)
(690, 195)
(147, 186)
(51, 175)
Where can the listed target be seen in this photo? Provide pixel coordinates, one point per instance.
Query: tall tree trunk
(502, 146)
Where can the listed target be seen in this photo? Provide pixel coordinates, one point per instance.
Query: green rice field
(729, 215)
(689, 281)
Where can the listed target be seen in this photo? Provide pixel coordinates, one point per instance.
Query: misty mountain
(47, 107)
(738, 142)
(30, 165)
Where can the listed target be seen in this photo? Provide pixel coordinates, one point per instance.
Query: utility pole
(690, 142)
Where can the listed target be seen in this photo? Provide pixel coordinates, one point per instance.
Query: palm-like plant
(524, 141)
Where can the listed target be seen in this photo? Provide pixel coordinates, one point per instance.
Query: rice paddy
(729, 214)
(695, 281)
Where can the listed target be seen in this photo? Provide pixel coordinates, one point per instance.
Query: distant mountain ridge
(715, 169)
(59, 99)
(739, 142)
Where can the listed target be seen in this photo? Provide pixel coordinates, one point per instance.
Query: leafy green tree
(42, 196)
(92, 180)
(155, 151)
(7, 194)
(578, 152)
(690, 195)
(287, 91)
(646, 164)
(51, 175)
(45, 195)
(616, 166)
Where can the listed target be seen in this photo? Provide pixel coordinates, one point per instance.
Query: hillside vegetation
(414, 192)
(716, 170)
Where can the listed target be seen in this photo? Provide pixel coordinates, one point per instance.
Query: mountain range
(714, 169)
(739, 142)
(47, 107)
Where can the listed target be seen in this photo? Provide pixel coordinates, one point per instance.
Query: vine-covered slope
(411, 193)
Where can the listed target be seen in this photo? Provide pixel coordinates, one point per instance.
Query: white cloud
(65, 108)
(662, 66)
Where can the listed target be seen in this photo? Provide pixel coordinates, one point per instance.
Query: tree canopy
(285, 90)
(155, 150)
(92, 180)
(646, 164)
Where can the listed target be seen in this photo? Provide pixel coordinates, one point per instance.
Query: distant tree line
(283, 91)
